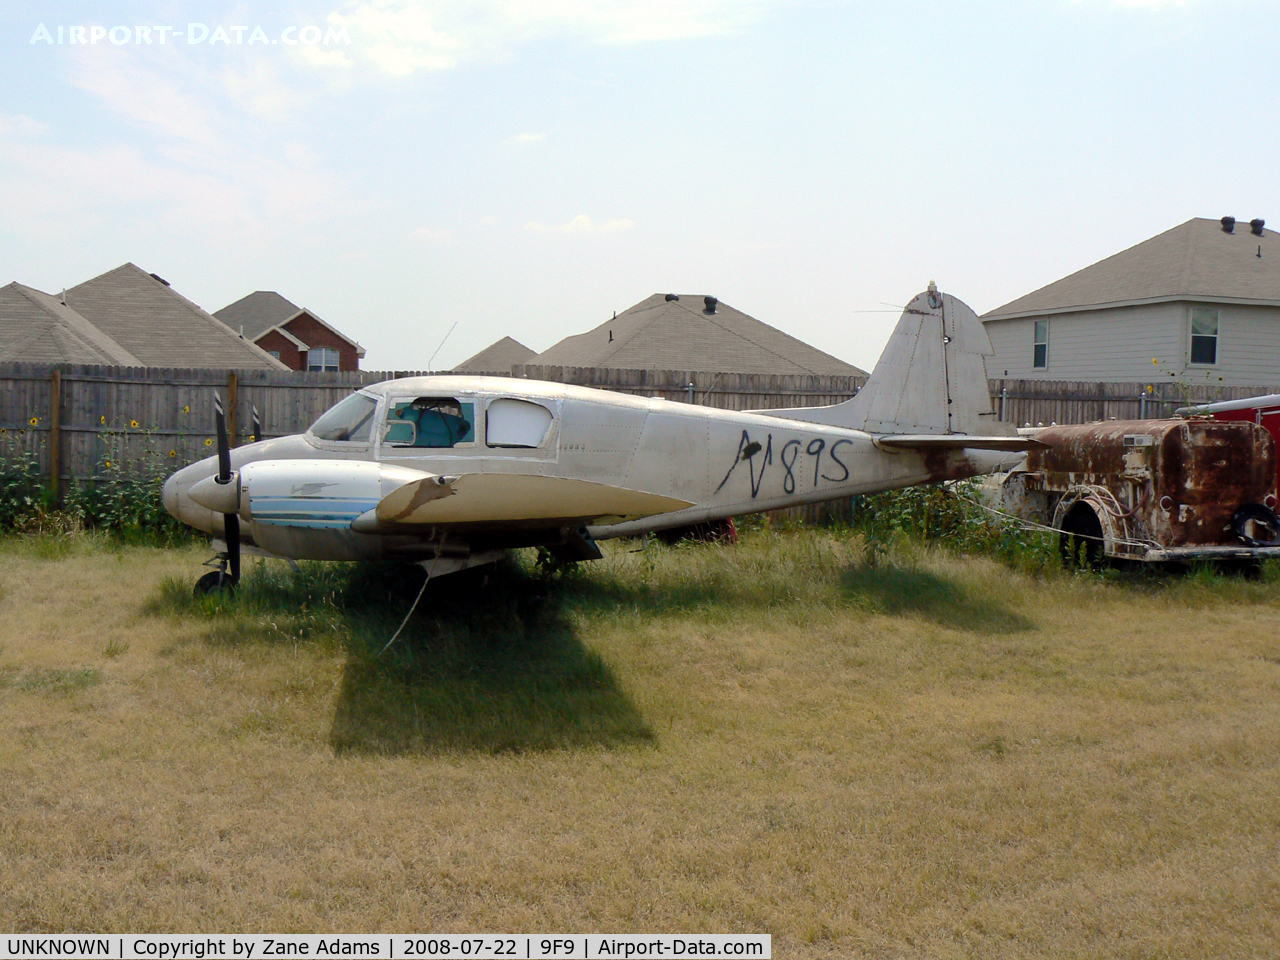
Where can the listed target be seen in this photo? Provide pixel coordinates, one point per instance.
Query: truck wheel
(1080, 539)
(1256, 525)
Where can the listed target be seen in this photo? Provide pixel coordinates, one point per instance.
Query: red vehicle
(1264, 411)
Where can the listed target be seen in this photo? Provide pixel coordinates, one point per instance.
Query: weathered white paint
(614, 463)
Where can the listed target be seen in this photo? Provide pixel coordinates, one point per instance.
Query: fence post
(232, 384)
(55, 430)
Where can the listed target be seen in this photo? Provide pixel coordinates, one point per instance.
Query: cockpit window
(430, 422)
(351, 419)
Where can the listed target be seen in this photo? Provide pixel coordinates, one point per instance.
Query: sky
(501, 168)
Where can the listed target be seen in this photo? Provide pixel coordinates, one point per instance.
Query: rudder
(930, 379)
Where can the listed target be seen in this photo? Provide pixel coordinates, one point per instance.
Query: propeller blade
(230, 521)
(257, 425)
(224, 447)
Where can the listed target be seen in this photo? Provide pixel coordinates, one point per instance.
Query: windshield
(352, 419)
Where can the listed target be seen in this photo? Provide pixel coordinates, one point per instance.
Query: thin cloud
(524, 138)
(430, 235)
(176, 154)
(142, 95)
(401, 37)
(22, 126)
(1149, 4)
(581, 224)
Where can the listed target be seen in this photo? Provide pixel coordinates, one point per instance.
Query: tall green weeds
(951, 515)
(122, 498)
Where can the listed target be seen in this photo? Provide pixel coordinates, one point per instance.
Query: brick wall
(290, 355)
(315, 335)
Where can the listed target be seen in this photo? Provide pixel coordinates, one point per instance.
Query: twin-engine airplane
(451, 472)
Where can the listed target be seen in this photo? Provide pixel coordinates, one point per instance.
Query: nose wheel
(219, 579)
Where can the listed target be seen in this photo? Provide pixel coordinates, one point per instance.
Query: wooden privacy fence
(81, 421)
(728, 391)
(1034, 402)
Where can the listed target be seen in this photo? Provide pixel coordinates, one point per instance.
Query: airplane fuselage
(527, 461)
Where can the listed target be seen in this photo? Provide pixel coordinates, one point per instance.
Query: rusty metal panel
(1175, 483)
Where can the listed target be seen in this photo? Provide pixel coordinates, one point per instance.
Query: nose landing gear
(220, 578)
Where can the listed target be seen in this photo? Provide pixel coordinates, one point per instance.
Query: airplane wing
(952, 441)
(498, 497)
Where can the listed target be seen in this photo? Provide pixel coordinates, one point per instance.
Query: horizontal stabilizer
(955, 442)
(501, 497)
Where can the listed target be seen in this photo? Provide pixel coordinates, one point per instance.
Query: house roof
(666, 332)
(160, 326)
(279, 328)
(496, 357)
(257, 313)
(263, 310)
(1197, 260)
(38, 328)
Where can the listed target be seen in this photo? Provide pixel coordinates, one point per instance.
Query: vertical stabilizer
(930, 379)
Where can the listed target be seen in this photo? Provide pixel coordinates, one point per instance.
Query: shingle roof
(659, 333)
(160, 326)
(257, 313)
(37, 328)
(278, 328)
(497, 357)
(1196, 260)
(264, 310)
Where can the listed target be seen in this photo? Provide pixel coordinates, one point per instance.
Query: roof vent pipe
(710, 304)
(1256, 226)
(672, 296)
(1228, 224)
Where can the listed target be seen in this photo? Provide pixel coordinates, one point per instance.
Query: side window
(1204, 335)
(430, 422)
(1040, 352)
(515, 423)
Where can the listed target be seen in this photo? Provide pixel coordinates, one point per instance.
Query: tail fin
(930, 379)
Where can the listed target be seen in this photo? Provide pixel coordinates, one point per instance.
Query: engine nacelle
(316, 494)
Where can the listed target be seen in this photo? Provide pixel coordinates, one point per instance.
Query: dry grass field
(932, 757)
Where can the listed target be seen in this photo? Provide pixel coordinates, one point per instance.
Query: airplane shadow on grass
(898, 591)
(488, 663)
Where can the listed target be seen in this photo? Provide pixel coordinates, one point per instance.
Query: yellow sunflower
(187, 408)
(172, 454)
(102, 419)
(208, 442)
(134, 424)
(34, 421)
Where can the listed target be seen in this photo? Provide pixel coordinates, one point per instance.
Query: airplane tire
(214, 580)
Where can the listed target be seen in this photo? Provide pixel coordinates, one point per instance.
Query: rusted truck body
(1152, 490)
(1264, 411)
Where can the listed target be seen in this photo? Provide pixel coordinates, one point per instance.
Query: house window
(322, 358)
(1040, 353)
(1204, 335)
(274, 353)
